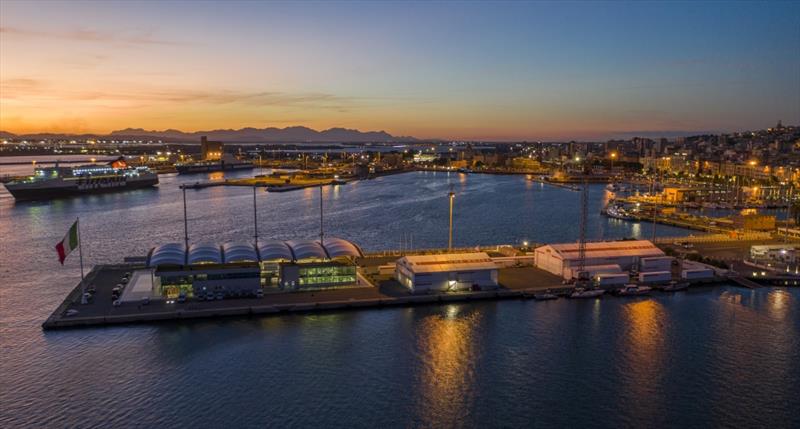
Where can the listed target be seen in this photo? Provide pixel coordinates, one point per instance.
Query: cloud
(40, 90)
(86, 35)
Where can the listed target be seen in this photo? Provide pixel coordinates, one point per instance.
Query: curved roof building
(274, 250)
(168, 254)
(307, 249)
(239, 252)
(204, 253)
(336, 247)
(233, 252)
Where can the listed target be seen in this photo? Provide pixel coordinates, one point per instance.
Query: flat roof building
(563, 259)
(444, 272)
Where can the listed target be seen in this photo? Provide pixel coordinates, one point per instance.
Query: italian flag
(68, 244)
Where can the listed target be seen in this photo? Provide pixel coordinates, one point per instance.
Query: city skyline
(541, 71)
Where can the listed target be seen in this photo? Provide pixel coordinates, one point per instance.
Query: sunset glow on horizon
(530, 71)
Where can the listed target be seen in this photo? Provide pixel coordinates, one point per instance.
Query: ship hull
(209, 168)
(45, 192)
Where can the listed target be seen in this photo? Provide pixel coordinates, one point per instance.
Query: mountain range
(244, 135)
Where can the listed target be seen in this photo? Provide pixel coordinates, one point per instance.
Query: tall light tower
(451, 196)
(185, 220)
(255, 216)
(321, 231)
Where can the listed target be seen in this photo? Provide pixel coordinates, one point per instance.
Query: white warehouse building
(563, 259)
(445, 272)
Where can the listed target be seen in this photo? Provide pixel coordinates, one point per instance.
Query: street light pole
(321, 231)
(185, 221)
(255, 216)
(452, 196)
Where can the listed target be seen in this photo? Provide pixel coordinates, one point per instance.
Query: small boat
(634, 290)
(546, 295)
(674, 286)
(586, 293)
(617, 212)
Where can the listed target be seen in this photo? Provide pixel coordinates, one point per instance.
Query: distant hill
(272, 134)
(244, 135)
(7, 135)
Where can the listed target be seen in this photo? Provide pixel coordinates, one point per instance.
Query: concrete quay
(516, 283)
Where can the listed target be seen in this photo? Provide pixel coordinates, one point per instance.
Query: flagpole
(80, 255)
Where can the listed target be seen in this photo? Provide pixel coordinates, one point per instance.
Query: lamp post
(185, 221)
(255, 216)
(452, 196)
(321, 231)
(613, 155)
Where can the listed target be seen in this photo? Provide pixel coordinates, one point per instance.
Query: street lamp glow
(452, 196)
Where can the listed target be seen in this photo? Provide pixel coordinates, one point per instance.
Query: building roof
(204, 253)
(168, 254)
(270, 250)
(448, 262)
(274, 250)
(336, 247)
(606, 249)
(239, 252)
(307, 249)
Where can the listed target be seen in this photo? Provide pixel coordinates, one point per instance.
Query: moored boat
(634, 290)
(586, 293)
(56, 182)
(675, 286)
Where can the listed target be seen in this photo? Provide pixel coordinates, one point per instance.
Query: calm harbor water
(707, 358)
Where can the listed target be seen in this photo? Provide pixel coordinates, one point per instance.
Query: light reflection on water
(447, 351)
(709, 357)
(644, 323)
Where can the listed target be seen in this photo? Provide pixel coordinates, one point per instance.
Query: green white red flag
(68, 244)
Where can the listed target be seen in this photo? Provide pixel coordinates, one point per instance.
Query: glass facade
(172, 286)
(327, 275)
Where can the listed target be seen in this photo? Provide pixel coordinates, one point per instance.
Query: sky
(452, 70)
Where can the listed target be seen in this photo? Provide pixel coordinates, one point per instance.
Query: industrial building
(210, 150)
(242, 269)
(563, 259)
(446, 272)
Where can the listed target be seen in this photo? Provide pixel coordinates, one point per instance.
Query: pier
(521, 282)
(556, 184)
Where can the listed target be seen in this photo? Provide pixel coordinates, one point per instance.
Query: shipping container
(605, 280)
(655, 277)
(659, 263)
(697, 274)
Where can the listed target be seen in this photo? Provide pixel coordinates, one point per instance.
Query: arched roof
(204, 253)
(239, 252)
(274, 250)
(307, 249)
(271, 250)
(336, 247)
(168, 254)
